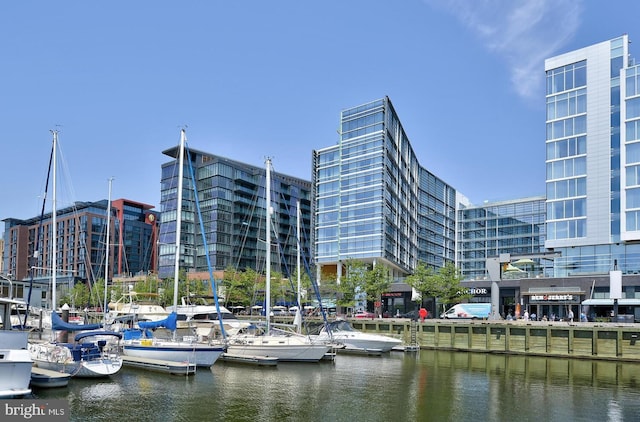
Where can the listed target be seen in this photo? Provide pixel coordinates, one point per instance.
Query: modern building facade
(81, 244)
(592, 186)
(593, 159)
(232, 209)
(375, 203)
(515, 227)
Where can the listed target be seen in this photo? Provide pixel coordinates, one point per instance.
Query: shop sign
(551, 298)
(475, 291)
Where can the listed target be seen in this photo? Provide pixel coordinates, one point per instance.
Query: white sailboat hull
(55, 357)
(286, 349)
(174, 351)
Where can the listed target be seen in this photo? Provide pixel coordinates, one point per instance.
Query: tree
(352, 283)
(377, 281)
(443, 284)
(362, 280)
(453, 292)
(425, 281)
(76, 297)
(239, 286)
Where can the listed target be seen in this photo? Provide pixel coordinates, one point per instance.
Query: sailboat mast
(299, 311)
(176, 273)
(267, 295)
(106, 259)
(54, 225)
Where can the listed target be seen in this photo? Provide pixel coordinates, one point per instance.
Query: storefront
(552, 303)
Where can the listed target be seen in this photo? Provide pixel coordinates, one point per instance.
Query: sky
(251, 79)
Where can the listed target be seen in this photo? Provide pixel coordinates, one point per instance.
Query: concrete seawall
(619, 342)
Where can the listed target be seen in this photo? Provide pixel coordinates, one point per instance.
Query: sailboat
(90, 354)
(142, 343)
(269, 342)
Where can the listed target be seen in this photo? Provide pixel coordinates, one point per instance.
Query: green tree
(239, 286)
(352, 283)
(377, 281)
(444, 285)
(425, 281)
(361, 279)
(451, 278)
(78, 297)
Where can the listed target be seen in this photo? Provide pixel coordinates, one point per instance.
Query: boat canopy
(58, 324)
(170, 322)
(86, 334)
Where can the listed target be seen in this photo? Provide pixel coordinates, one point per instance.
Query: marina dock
(249, 360)
(45, 378)
(358, 351)
(170, 367)
(583, 340)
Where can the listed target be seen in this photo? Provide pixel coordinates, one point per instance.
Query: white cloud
(522, 32)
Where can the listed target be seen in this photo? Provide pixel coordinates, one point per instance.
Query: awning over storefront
(609, 302)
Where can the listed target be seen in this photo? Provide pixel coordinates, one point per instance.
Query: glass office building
(374, 202)
(516, 227)
(593, 159)
(231, 197)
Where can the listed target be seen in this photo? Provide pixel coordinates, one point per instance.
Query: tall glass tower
(374, 202)
(232, 200)
(593, 159)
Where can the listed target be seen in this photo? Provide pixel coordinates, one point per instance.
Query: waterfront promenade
(585, 340)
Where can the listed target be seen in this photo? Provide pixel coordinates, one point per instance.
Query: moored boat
(15, 361)
(342, 332)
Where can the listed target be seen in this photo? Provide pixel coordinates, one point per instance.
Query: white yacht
(199, 314)
(342, 332)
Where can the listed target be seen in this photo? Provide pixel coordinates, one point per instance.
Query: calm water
(429, 386)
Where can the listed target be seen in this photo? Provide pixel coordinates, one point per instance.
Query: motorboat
(15, 361)
(342, 332)
(198, 314)
(136, 306)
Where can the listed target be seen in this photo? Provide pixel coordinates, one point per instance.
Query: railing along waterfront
(608, 341)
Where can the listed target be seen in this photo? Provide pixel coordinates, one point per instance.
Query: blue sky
(252, 79)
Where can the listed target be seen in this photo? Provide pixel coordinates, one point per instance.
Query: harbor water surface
(425, 386)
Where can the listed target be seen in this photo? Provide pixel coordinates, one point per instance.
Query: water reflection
(431, 385)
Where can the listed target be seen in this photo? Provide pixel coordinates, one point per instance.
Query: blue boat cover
(58, 324)
(86, 334)
(170, 322)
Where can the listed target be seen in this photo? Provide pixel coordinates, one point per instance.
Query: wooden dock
(249, 360)
(166, 366)
(45, 378)
(359, 351)
(409, 348)
(582, 340)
